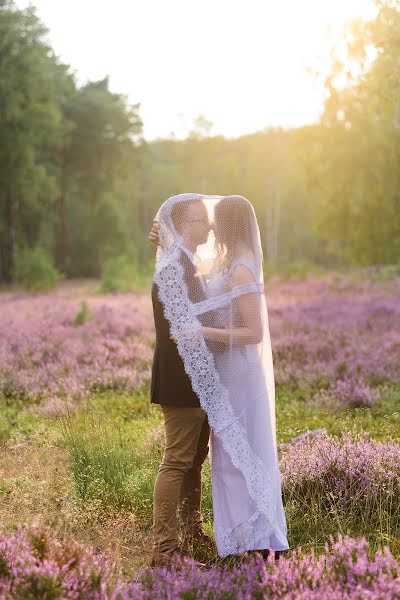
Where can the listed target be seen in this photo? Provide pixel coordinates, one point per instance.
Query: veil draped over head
(231, 375)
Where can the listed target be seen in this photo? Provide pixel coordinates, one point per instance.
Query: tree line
(78, 179)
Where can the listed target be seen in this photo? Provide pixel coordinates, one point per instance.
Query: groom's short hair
(179, 212)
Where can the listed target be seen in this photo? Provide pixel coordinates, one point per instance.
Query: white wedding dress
(239, 525)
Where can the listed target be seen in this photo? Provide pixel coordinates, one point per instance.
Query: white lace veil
(233, 378)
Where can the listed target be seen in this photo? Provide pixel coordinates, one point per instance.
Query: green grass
(123, 406)
(114, 454)
(112, 462)
(110, 458)
(295, 415)
(16, 423)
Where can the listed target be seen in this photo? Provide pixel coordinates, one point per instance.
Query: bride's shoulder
(242, 269)
(244, 256)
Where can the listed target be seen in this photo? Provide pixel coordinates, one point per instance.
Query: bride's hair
(233, 218)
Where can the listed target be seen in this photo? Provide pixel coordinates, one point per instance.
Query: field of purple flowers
(341, 342)
(336, 346)
(47, 569)
(57, 346)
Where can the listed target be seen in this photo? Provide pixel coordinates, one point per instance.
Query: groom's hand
(154, 235)
(192, 332)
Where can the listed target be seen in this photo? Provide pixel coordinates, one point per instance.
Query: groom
(178, 482)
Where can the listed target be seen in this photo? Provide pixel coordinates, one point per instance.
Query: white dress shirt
(191, 256)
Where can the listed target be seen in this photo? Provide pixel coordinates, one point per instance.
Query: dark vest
(169, 382)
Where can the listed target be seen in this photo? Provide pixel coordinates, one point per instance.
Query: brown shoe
(176, 558)
(265, 552)
(198, 539)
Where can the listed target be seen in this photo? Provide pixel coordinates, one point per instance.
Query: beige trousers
(178, 482)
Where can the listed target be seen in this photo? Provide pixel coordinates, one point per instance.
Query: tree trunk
(9, 244)
(272, 217)
(62, 235)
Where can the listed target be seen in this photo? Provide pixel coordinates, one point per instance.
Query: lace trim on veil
(199, 365)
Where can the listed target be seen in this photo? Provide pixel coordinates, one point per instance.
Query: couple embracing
(213, 378)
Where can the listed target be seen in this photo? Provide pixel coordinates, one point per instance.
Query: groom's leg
(190, 495)
(183, 425)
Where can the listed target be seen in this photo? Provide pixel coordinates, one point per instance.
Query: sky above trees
(244, 66)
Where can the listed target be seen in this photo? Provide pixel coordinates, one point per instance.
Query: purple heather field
(335, 340)
(339, 340)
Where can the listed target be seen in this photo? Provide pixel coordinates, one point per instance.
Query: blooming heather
(34, 564)
(45, 354)
(341, 347)
(355, 472)
(344, 571)
(339, 340)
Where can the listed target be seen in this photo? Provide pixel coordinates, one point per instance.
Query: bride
(225, 346)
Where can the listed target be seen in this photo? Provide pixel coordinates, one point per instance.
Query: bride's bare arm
(250, 311)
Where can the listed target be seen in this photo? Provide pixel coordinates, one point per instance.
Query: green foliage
(18, 423)
(379, 272)
(83, 315)
(295, 415)
(123, 274)
(35, 270)
(108, 462)
(5, 429)
(99, 161)
(296, 269)
(351, 159)
(32, 83)
(77, 177)
(115, 461)
(119, 405)
(61, 148)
